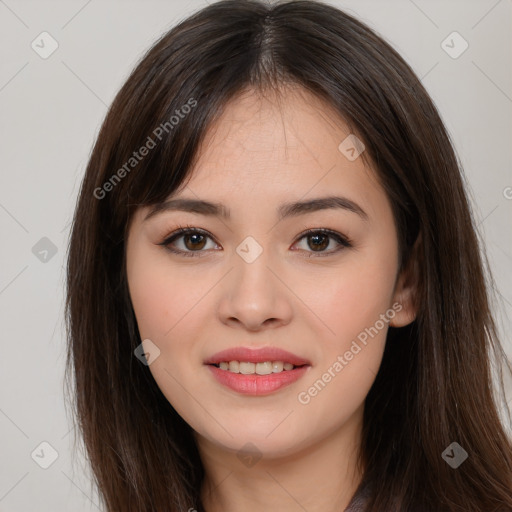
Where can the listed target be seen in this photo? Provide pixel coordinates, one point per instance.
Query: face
(318, 281)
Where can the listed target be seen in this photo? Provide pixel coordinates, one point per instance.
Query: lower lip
(255, 384)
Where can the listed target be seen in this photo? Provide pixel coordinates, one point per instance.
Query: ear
(406, 288)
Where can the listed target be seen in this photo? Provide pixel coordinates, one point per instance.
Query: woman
(275, 292)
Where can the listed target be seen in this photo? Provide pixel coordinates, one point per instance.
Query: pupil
(321, 245)
(195, 241)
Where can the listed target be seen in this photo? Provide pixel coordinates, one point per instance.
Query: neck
(322, 476)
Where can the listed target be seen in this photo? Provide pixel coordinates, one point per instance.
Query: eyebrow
(285, 210)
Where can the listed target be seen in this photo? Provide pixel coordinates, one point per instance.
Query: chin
(259, 443)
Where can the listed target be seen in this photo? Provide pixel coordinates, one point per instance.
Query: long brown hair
(435, 383)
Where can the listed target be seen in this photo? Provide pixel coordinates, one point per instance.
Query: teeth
(277, 366)
(265, 368)
(247, 368)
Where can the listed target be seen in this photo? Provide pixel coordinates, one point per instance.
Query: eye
(319, 239)
(194, 240)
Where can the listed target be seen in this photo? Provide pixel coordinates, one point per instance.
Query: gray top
(358, 501)
(356, 504)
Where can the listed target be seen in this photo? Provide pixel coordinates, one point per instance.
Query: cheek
(162, 296)
(351, 357)
(151, 298)
(165, 305)
(352, 297)
(354, 304)
(362, 296)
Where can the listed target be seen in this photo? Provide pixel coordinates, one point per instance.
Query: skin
(261, 153)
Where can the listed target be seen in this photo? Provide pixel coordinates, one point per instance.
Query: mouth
(263, 368)
(256, 371)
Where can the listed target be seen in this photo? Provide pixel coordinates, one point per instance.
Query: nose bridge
(252, 279)
(252, 294)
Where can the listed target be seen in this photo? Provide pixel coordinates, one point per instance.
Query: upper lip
(256, 355)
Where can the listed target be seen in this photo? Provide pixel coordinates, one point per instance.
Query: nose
(254, 296)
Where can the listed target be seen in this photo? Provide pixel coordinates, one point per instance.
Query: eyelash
(187, 230)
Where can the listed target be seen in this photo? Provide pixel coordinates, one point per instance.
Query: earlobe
(406, 289)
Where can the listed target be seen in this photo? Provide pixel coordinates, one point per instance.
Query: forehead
(283, 126)
(274, 144)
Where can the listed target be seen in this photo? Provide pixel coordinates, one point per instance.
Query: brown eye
(195, 241)
(318, 240)
(187, 242)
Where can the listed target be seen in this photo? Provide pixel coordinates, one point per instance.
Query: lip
(257, 355)
(255, 384)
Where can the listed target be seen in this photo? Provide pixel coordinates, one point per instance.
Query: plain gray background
(52, 110)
